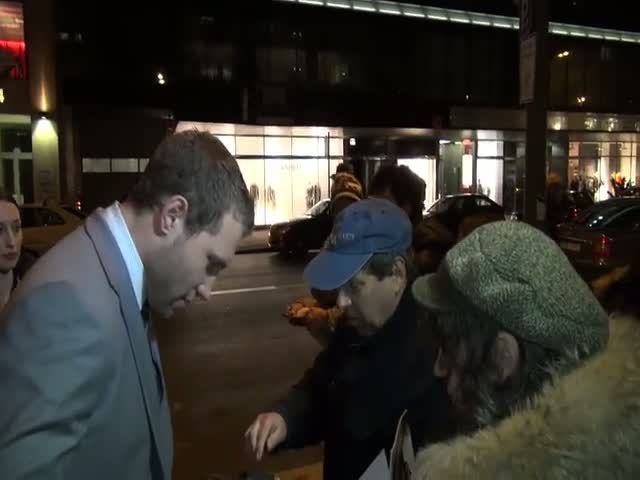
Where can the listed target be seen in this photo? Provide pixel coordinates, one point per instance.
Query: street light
(564, 54)
(581, 100)
(161, 79)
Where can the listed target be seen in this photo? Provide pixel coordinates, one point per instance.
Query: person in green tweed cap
(546, 384)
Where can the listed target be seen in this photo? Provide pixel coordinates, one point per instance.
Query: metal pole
(536, 135)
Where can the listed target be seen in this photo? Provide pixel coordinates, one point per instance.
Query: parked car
(454, 208)
(44, 226)
(602, 237)
(300, 235)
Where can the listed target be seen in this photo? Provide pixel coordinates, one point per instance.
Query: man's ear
(171, 215)
(505, 355)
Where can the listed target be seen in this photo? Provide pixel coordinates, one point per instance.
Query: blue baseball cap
(367, 227)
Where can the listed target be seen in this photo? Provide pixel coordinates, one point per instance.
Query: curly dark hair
(197, 166)
(407, 188)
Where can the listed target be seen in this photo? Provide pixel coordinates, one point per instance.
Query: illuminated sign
(1, 95)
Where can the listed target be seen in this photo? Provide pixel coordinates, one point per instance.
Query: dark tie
(153, 347)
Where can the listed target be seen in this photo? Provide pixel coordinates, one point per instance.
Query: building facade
(29, 145)
(294, 87)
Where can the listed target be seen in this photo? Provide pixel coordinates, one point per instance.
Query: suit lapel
(148, 369)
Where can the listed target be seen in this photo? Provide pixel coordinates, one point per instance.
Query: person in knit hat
(547, 384)
(345, 190)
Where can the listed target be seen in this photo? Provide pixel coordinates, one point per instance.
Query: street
(227, 360)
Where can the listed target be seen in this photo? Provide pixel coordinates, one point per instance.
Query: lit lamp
(161, 79)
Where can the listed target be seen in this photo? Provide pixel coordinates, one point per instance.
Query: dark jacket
(356, 391)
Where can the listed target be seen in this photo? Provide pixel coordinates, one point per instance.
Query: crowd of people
(467, 349)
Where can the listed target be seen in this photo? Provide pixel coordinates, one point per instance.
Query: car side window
(483, 202)
(628, 221)
(49, 218)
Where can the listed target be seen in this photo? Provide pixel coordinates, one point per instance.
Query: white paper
(378, 470)
(402, 452)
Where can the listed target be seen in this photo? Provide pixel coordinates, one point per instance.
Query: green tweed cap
(513, 274)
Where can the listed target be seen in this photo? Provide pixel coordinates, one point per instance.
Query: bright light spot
(352, 142)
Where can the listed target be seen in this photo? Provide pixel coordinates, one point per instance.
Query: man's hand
(267, 432)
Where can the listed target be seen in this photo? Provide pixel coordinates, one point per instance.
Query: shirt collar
(118, 226)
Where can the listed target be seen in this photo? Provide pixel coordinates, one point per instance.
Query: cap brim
(434, 293)
(330, 270)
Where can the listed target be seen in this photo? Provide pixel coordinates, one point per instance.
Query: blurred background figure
(13, 265)
(345, 189)
(432, 239)
(399, 185)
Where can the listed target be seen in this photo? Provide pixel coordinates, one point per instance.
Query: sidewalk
(258, 241)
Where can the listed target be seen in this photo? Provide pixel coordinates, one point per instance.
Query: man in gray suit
(82, 395)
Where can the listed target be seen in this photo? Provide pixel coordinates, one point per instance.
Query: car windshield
(318, 208)
(600, 215)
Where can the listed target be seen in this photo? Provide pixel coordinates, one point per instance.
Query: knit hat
(512, 274)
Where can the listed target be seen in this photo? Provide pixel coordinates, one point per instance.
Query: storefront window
(593, 165)
(490, 169)
(249, 145)
(286, 169)
(254, 176)
(456, 167)
(275, 146)
(490, 178)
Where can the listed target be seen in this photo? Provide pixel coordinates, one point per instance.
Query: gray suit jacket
(82, 395)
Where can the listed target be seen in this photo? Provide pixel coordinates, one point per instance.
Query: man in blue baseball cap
(373, 367)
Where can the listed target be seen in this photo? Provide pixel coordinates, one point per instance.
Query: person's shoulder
(51, 297)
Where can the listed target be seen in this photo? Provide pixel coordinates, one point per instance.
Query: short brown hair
(197, 166)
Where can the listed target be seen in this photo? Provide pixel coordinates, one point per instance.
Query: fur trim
(584, 425)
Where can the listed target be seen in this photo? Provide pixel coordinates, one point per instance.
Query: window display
(604, 169)
(286, 169)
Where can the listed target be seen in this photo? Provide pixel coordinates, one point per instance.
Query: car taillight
(602, 248)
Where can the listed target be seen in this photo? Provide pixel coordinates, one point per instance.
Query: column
(41, 40)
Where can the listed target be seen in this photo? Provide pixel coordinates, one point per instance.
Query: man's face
(368, 302)
(10, 236)
(187, 267)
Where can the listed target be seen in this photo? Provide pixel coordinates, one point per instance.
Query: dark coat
(356, 391)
